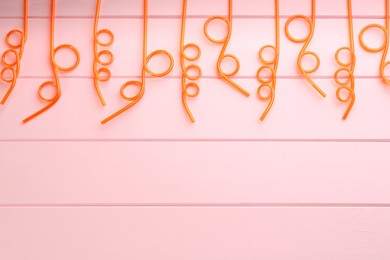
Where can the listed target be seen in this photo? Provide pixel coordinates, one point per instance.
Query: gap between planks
(198, 205)
(203, 77)
(200, 140)
(360, 17)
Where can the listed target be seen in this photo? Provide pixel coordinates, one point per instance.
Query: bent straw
(271, 65)
(97, 61)
(185, 69)
(348, 67)
(141, 84)
(225, 42)
(384, 47)
(306, 40)
(55, 68)
(14, 67)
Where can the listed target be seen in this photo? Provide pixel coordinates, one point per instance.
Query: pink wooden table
(303, 184)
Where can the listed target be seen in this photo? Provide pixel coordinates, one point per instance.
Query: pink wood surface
(194, 172)
(151, 185)
(172, 233)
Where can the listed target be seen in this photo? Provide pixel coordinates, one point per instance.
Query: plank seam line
(195, 205)
(179, 77)
(324, 17)
(200, 140)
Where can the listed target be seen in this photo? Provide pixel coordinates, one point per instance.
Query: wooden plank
(194, 233)
(254, 32)
(194, 173)
(11, 8)
(298, 113)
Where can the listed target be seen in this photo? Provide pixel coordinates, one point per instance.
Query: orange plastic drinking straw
(347, 67)
(225, 41)
(185, 69)
(306, 40)
(270, 65)
(55, 68)
(102, 74)
(14, 67)
(384, 47)
(141, 84)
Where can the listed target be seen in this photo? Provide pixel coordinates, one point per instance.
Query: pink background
(150, 185)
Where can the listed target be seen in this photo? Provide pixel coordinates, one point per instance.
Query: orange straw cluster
(266, 74)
